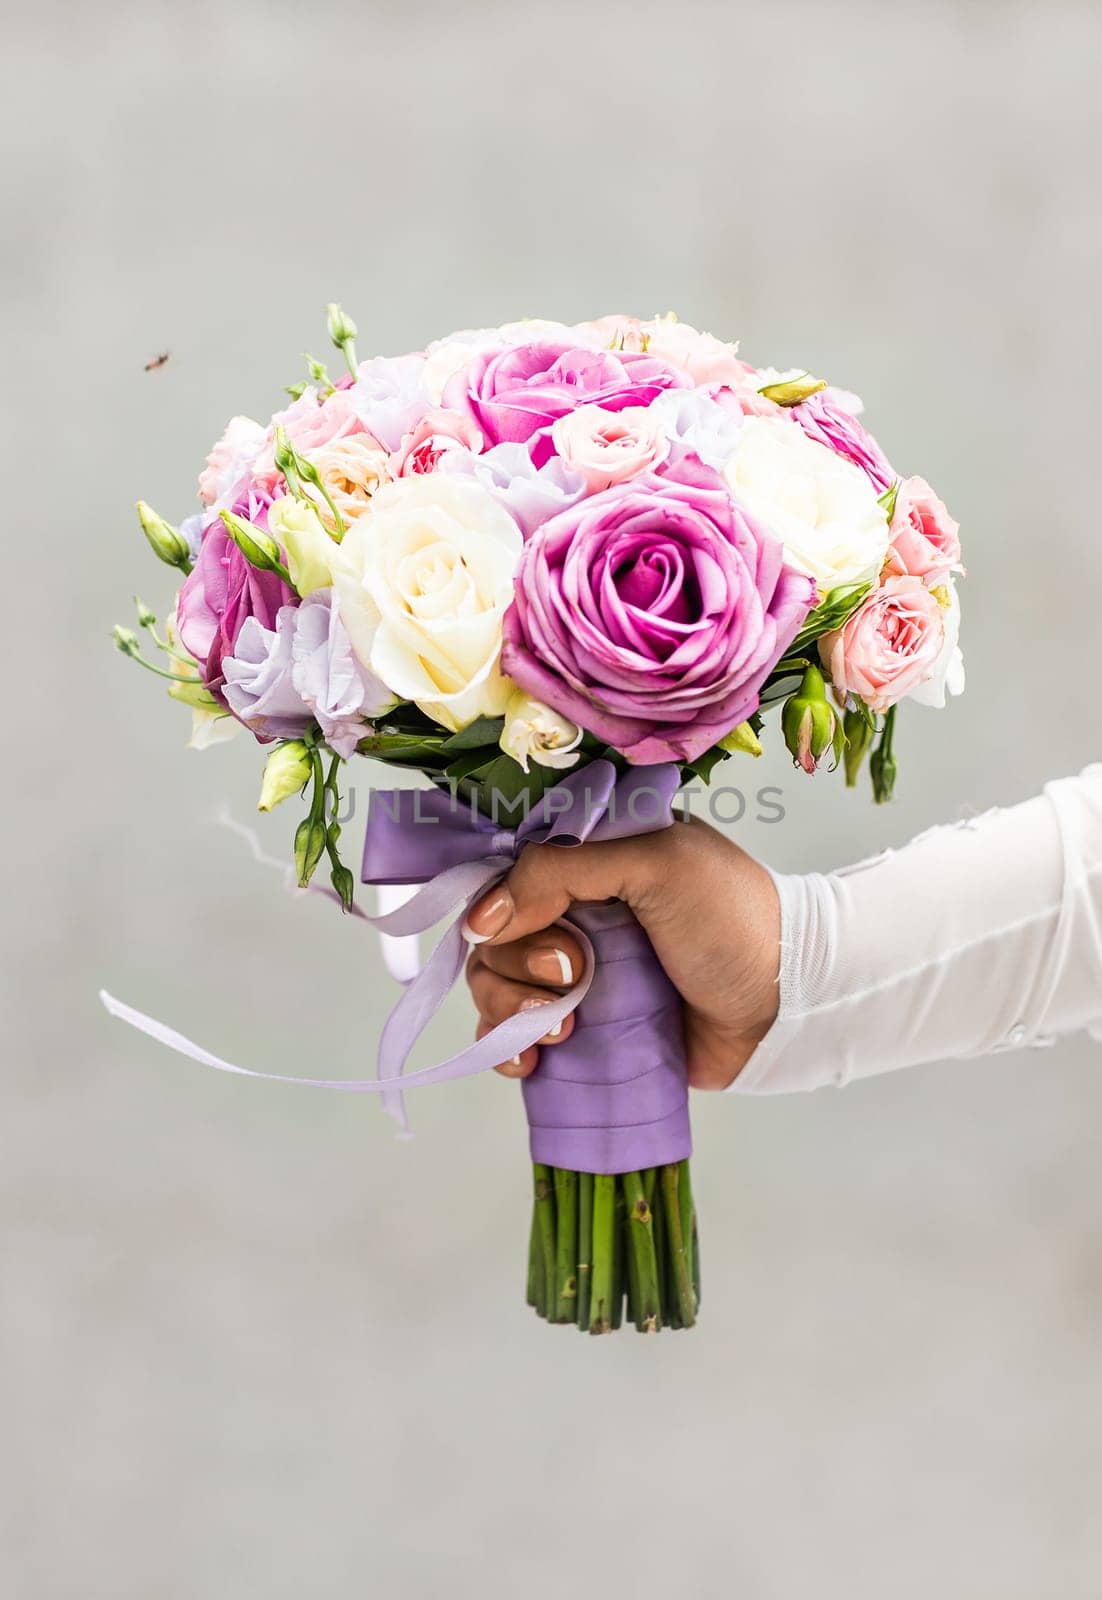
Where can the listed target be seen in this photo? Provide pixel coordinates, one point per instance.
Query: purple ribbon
(610, 1098)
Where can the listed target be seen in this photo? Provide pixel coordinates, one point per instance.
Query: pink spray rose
(893, 643)
(437, 432)
(609, 447)
(512, 395)
(652, 613)
(925, 539)
(230, 459)
(310, 423)
(824, 418)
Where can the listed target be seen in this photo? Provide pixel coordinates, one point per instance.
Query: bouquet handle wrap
(613, 1096)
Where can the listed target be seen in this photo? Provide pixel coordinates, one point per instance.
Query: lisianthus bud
(808, 721)
(165, 540)
(858, 729)
(882, 769)
(344, 883)
(309, 844)
(259, 548)
(742, 738)
(286, 771)
(126, 640)
(342, 330)
(146, 617)
(789, 390)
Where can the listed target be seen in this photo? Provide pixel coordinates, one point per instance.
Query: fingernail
(530, 1005)
(550, 966)
(515, 1060)
(488, 917)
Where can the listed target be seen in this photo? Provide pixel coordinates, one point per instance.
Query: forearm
(971, 939)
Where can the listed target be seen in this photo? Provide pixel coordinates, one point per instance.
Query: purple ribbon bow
(612, 1096)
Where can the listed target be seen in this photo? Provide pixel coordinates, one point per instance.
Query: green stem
(160, 672)
(671, 1176)
(688, 1220)
(566, 1251)
(544, 1190)
(604, 1229)
(585, 1245)
(535, 1266)
(652, 1188)
(644, 1266)
(619, 1256)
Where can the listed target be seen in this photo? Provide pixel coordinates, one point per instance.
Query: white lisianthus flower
(211, 723)
(948, 675)
(303, 535)
(423, 580)
(533, 732)
(822, 508)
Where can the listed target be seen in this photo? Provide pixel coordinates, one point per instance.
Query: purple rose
(825, 418)
(652, 613)
(514, 394)
(222, 592)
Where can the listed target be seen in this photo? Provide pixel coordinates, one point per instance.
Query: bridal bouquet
(560, 571)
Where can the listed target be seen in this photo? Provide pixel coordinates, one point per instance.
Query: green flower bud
(259, 548)
(344, 883)
(808, 721)
(146, 618)
(309, 844)
(126, 640)
(790, 391)
(858, 730)
(319, 372)
(742, 738)
(342, 331)
(166, 541)
(295, 390)
(341, 326)
(883, 772)
(286, 771)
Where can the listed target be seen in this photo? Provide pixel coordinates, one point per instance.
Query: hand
(710, 911)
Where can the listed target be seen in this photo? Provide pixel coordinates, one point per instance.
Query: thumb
(548, 878)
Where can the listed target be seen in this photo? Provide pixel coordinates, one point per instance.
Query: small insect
(156, 361)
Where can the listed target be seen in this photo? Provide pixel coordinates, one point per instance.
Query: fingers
(497, 998)
(547, 878)
(552, 959)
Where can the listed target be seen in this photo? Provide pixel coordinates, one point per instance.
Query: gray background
(251, 1345)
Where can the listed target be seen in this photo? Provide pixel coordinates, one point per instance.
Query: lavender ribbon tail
(593, 1104)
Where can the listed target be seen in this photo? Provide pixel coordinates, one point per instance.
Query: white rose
(609, 447)
(948, 675)
(822, 507)
(533, 732)
(423, 580)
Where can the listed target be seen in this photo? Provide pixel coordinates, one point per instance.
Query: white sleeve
(973, 938)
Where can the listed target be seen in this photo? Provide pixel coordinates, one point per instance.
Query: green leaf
(483, 731)
(704, 765)
(834, 609)
(888, 499)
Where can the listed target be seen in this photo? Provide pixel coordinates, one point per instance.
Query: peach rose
(894, 643)
(310, 423)
(925, 540)
(437, 432)
(351, 468)
(609, 447)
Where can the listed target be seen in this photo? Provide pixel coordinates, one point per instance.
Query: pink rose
(925, 539)
(513, 395)
(893, 643)
(437, 432)
(608, 447)
(310, 423)
(704, 357)
(230, 459)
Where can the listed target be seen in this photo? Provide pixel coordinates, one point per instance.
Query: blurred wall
(252, 1346)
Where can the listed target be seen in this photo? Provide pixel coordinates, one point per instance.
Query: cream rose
(423, 580)
(609, 447)
(822, 507)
